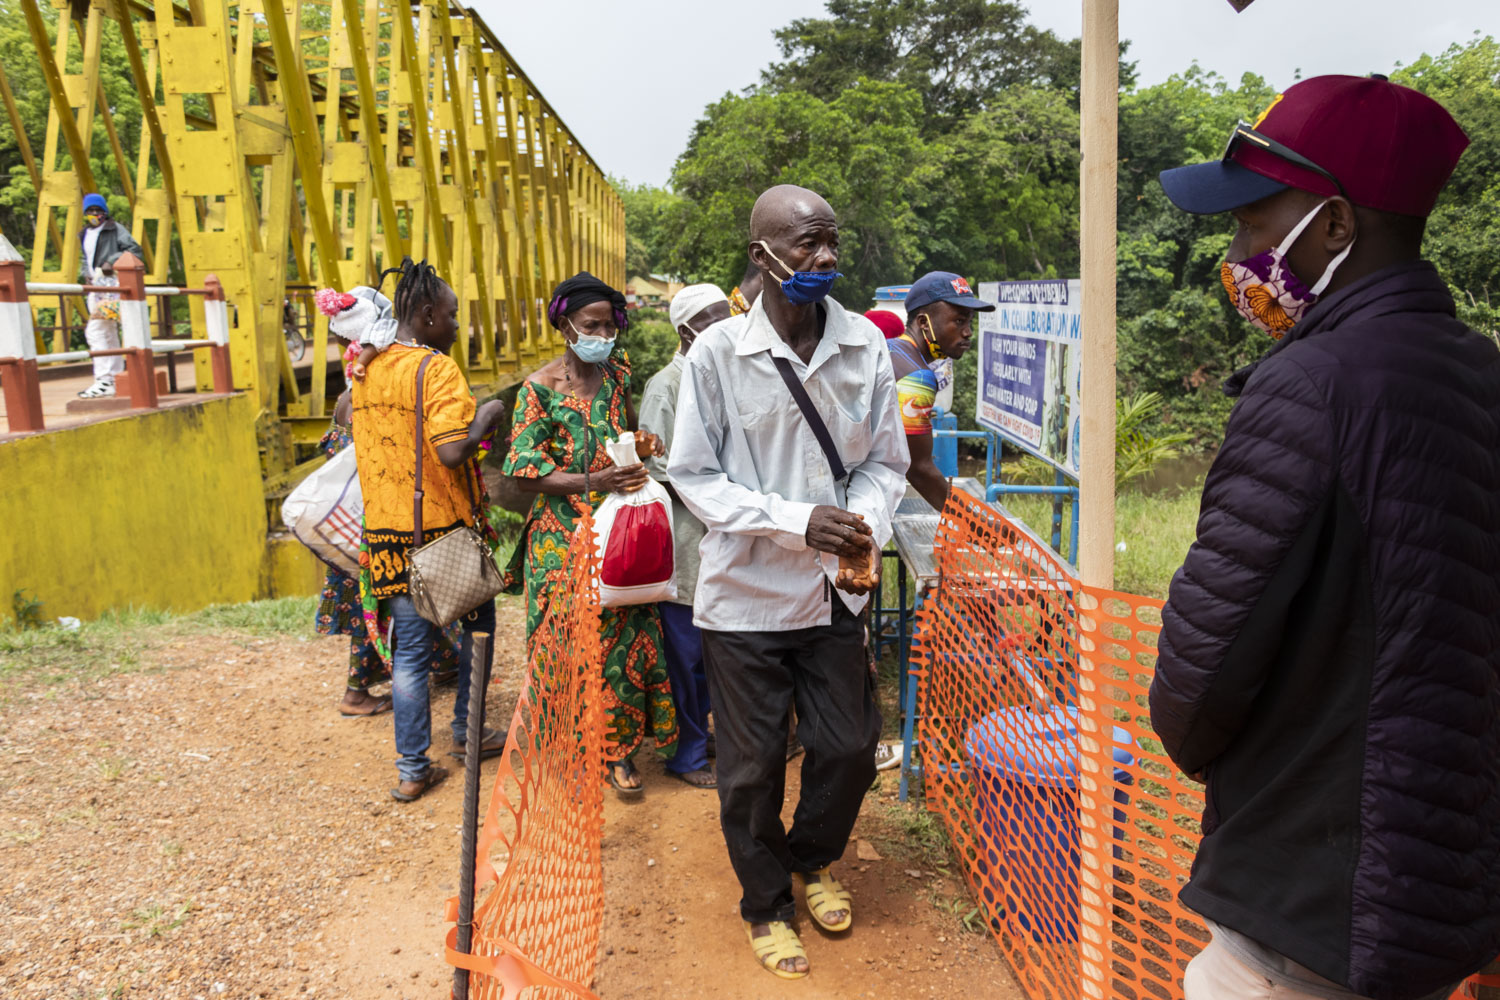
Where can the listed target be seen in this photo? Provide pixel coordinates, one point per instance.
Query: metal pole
(479, 679)
(1100, 127)
(1057, 506)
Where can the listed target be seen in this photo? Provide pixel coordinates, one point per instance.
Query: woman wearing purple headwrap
(564, 413)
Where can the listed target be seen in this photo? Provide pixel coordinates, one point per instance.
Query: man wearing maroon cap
(1330, 652)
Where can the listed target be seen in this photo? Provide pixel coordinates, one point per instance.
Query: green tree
(863, 152)
(1464, 229)
(649, 215)
(650, 342)
(1006, 203)
(959, 55)
(1178, 336)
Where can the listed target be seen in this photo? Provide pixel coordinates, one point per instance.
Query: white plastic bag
(324, 512)
(633, 536)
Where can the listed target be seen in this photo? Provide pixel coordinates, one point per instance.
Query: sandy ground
(209, 826)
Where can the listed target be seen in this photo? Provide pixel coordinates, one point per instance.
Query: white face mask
(591, 348)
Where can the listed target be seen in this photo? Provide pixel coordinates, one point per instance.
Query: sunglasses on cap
(1244, 132)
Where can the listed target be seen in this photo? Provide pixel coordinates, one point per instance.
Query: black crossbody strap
(810, 413)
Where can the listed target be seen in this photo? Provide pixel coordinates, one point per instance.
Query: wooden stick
(1100, 109)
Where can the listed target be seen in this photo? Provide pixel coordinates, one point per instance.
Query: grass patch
(282, 616)
(915, 835)
(155, 920)
(1156, 529)
(111, 769)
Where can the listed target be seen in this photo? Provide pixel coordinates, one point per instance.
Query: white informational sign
(1029, 351)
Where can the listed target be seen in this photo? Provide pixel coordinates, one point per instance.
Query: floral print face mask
(1266, 292)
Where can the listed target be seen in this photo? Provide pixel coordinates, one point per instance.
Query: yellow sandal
(828, 894)
(776, 947)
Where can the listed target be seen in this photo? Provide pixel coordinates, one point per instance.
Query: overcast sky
(630, 77)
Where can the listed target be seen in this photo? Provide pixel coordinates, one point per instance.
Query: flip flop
(382, 705)
(625, 791)
(435, 776)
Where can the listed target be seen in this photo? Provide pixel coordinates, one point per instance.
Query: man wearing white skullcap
(693, 310)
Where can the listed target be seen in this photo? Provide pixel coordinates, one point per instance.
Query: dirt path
(210, 827)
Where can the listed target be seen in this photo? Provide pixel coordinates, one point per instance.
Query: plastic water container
(1025, 768)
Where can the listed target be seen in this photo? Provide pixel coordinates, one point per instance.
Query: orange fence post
(23, 392)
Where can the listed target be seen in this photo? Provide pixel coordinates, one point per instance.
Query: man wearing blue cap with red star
(1329, 660)
(940, 308)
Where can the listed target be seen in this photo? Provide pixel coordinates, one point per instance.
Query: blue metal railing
(946, 436)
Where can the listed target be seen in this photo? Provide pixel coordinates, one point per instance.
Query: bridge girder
(316, 143)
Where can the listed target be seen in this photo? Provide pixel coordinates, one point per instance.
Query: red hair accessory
(331, 301)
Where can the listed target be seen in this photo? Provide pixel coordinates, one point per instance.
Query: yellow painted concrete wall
(157, 510)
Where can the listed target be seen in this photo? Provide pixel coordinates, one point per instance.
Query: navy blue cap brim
(962, 301)
(1216, 186)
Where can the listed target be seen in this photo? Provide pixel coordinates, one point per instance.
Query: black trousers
(753, 678)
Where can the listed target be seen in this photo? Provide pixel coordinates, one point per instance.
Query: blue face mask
(803, 287)
(591, 349)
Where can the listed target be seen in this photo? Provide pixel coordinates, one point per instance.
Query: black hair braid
(380, 282)
(419, 286)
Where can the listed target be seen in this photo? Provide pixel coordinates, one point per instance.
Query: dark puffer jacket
(1330, 653)
(114, 240)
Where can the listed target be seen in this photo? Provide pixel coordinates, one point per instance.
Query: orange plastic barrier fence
(536, 929)
(1074, 829)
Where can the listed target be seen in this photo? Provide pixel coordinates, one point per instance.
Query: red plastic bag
(633, 532)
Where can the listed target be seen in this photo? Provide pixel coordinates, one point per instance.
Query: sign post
(1100, 127)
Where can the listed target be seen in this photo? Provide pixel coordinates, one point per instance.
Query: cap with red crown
(1387, 146)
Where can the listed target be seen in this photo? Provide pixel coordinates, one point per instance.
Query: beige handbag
(454, 575)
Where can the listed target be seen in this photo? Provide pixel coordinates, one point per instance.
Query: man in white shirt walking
(693, 310)
(798, 504)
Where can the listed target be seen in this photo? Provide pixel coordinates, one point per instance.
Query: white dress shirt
(745, 461)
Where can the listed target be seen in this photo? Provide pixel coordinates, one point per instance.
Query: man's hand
(838, 532)
(860, 574)
(648, 445)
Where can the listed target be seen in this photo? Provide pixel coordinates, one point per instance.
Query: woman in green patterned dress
(564, 413)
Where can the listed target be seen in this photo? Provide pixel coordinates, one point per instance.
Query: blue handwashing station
(1022, 761)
